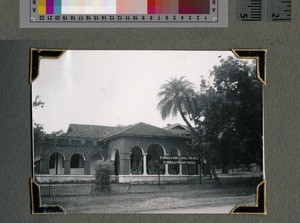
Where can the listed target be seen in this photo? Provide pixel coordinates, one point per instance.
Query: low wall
(45, 178)
(149, 178)
(77, 171)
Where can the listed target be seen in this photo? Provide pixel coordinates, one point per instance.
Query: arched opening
(95, 159)
(77, 164)
(154, 164)
(117, 163)
(136, 161)
(174, 168)
(56, 164)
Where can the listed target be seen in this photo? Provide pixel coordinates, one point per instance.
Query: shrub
(102, 176)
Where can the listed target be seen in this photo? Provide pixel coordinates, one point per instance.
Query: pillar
(167, 169)
(124, 164)
(130, 164)
(113, 166)
(166, 166)
(67, 164)
(145, 164)
(184, 170)
(44, 166)
(87, 167)
(180, 169)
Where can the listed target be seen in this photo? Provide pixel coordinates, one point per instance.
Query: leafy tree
(38, 129)
(227, 114)
(231, 111)
(38, 132)
(179, 96)
(56, 133)
(38, 102)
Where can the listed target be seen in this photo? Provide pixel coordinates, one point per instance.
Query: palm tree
(178, 95)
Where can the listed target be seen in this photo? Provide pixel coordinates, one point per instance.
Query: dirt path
(200, 210)
(179, 199)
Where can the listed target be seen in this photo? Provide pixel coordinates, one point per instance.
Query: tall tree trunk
(214, 173)
(207, 157)
(187, 122)
(211, 167)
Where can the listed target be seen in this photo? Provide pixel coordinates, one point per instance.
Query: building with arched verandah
(134, 152)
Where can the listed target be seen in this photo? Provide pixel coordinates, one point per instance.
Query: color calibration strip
(136, 13)
(51, 7)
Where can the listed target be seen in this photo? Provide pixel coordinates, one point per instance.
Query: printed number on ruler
(250, 10)
(279, 10)
(255, 10)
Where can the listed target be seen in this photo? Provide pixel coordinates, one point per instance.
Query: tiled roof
(179, 129)
(108, 132)
(90, 131)
(145, 130)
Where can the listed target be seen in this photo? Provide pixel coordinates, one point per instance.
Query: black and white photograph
(164, 132)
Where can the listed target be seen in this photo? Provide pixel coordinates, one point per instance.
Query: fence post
(200, 170)
(129, 188)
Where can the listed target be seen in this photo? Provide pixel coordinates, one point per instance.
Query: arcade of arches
(59, 165)
(134, 155)
(149, 163)
(141, 163)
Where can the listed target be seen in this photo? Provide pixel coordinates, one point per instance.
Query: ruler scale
(259, 10)
(250, 10)
(280, 10)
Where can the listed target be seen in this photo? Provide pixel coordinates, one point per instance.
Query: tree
(227, 114)
(38, 129)
(38, 132)
(56, 133)
(231, 111)
(38, 102)
(179, 96)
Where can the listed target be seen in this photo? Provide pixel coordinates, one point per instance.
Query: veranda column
(44, 166)
(145, 164)
(180, 169)
(113, 166)
(87, 167)
(167, 169)
(124, 163)
(67, 167)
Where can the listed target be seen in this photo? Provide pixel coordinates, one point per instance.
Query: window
(77, 161)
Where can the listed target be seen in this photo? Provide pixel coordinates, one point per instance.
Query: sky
(113, 87)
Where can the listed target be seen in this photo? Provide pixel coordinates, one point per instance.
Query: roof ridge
(90, 131)
(108, 132)
(134, 125)
(74, 124)
(121, 130)
(170, 126)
